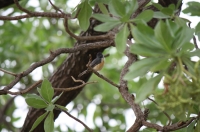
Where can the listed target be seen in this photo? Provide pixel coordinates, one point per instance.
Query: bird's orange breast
(99, 66)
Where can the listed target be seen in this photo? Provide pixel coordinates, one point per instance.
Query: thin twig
(170, 121)
(27, 89)
(11, 73)
(81, 38)
(73, 88)
(109, 35)
(104, 78)
(54, 54)
(30, 13)
(56, 8)
(76, 87)
(21, 8)
(34, 14)
(90, 130)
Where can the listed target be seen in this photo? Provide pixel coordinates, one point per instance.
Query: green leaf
(103, 8)
(50, 107)
(165, 38)
(183, 36)
(158, 6)
(167, 11)
(191, 126)
(49, 123)
(121, 38)
(197, 30)
(162, 65)
(146, 51)
(39, 91)
(56, 98)
(131, 7)
(180, 21)
(106, 26)
(187, 47)
(104, 18)
(36, 102)
(145, 15)
(140, 68)
(193, 8)
(160, 15)
(61, 107)
(143, 30)
(84, 15)
(33, 96)
(38, 121)
(116, 7)
(197, 128)
(187, 61)
(195, 53)
(147, 88)
(47, 91)
(172, 28)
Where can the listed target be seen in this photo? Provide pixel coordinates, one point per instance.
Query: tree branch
(170, 121)
(104, 78)
(76, 87)
(54, 54)
(13, 74)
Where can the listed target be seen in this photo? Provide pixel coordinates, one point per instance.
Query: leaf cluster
(44, 100)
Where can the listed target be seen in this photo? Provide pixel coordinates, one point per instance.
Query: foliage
(44, 101)
(164, 54)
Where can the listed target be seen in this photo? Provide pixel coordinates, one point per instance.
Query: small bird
(97, 64)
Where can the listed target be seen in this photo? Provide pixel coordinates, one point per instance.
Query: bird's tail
(82, 73)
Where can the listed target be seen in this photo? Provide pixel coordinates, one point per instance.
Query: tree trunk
(72, 66)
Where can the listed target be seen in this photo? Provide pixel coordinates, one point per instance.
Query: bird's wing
(95, 62)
